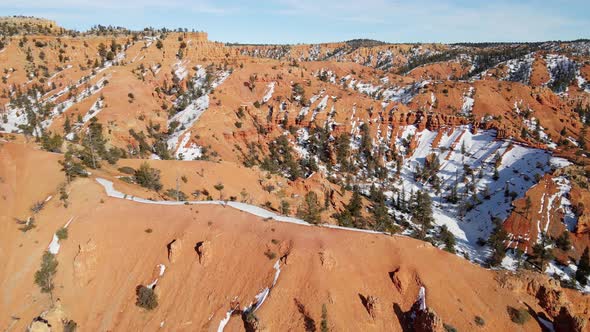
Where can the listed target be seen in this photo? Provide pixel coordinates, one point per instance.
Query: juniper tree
(44, 276)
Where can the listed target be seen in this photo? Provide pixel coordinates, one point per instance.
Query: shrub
(176, 194)
(148, 177)
(479, 321)
(449, 328)
(62, 233)
(70, 326)
(146, 298)
(127, 170)
(27, 224)
(518, 316)
(270, 254)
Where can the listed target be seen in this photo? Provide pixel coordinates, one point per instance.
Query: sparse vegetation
(44, 276)
(519, 316)
(146, 298)
(148, 177)
(62, 233)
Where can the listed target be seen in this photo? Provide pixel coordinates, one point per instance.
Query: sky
(314, 21)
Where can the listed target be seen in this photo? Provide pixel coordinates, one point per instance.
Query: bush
(479, 321)
(176, 194)
(270, 254)
(70, 326)
(62, 233)
(449, 328)
(519, 316)
(146, 298)
(148, 177)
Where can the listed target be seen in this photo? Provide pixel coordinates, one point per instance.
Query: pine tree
(310, 208)
(496, 242)
(542, 254)
(583, 268)
(381, 217)
(447, 238)
(71, 167)
(563, 241)
(67, 125)
(422, 213)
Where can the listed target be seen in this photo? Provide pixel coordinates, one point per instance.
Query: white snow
(180, 70)
(189, 116)
(162, 269)
(468, 102)
(224, 321)
(269, 91)
(421, 298)
(54, 245)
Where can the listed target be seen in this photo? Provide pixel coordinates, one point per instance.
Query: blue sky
(311, 21)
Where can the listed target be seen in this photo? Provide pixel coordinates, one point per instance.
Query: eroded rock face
(372, 306)
(427, 321)
(85, 262)
(174, 250)
(203, 250)
(551, 299)
(50, 320)
(567, 322)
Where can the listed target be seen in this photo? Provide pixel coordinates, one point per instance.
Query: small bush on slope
(148, 177)
(146, 298)
(62, 233)
(519, 316)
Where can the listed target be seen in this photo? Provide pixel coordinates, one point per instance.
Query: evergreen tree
(44, 276)
(583, 268)
(422, 213)
(382, 219)
(542, 253)
(447, 238)
(67, 125)
(71, 167)
(563, 241)
(496, 242)
(310, 208)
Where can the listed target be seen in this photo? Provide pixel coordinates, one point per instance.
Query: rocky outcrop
(428, 321)
(203, 250)
(566, 322)
(556, 302)
(174, 250)
(371, 303)
(50, 320)
(421, 318)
